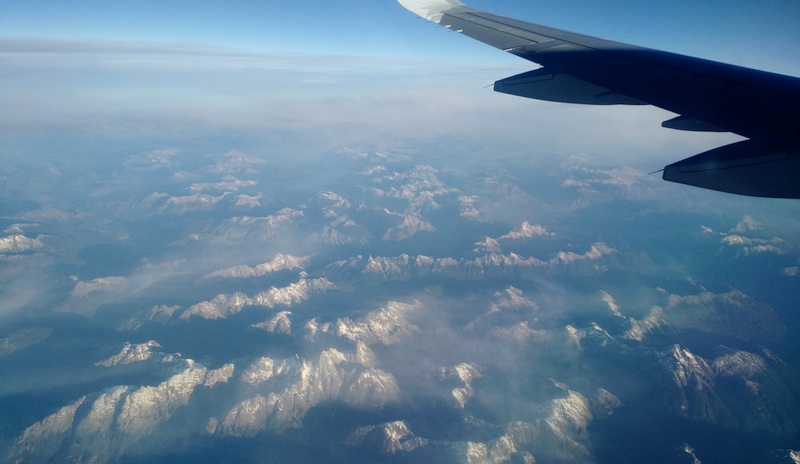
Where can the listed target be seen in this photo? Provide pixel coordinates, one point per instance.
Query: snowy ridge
(468, 209)
(20, 244)
(278, 324)
(488, 245)
(190, 203)
(100, 427)
(514, 444)
(526, 230)
(281, 262)
(130, 354)
(22, 339)
(240, 228)
(654, 321)
(420, 187)
(285, 391)
(390, 438)
(227, 184)
(223, 306)
(397, 438)
(376, 269)
(741, 239)
(388, 325)
(462, 375)
(514, 299)
(568, 420)
(410, 226)
(160, 314)
(342, 231)
(738, 363)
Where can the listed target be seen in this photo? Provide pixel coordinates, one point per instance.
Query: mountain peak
(130, 354)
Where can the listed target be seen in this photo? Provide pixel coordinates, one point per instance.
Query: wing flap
(744, 168)
(690, 124)
(543, 84)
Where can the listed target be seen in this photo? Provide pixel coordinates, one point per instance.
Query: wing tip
(431, 10)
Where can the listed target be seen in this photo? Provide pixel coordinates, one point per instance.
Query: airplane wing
(705, 95)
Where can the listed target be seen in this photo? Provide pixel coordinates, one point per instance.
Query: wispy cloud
(141, 87)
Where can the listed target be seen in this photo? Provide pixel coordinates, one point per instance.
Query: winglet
(432, 10)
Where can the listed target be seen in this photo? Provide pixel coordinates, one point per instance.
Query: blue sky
(120, 67)
(759, 34)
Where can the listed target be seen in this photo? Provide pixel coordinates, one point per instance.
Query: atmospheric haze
(215, 256)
